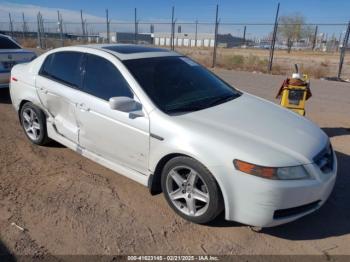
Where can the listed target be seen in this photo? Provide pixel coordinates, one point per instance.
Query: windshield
(178, 84)
(6, 43)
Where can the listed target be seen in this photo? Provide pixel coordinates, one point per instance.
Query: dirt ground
(67, 204)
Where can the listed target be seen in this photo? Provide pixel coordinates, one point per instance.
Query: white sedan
(166, 122)
(11, 53)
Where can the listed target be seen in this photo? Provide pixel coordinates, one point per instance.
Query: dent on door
(60, 108)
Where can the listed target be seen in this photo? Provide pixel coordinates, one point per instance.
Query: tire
(33, 121)
(191, 190)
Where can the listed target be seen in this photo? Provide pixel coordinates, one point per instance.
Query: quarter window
(64, 67)
(102, 79)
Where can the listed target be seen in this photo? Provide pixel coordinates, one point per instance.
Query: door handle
(83, 107)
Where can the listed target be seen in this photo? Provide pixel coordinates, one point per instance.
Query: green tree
(292, 29)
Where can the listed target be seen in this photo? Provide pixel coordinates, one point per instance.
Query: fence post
(60, 26)
(343, 50)
(24, 26)
(172, 29)
(11, 25)
(38, 31)
(315, 38)
(82, 25)
(43, 31)
(107, 21)
(136, 26)
(215, 35)
(272, 46)
(195, 35)
(244, 33)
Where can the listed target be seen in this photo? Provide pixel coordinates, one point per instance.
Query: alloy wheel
(31, 123)
(187, 191)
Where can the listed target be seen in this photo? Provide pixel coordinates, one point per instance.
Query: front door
(114, 135)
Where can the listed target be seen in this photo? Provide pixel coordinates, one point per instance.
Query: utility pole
(11, 25)
(172, 29)
(107, 22)
(216, 35)
(136, 29)
(272, 47)
(343, 50)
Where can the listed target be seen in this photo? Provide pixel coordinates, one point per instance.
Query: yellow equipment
(294, 92)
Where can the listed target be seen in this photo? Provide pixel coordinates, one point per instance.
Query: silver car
(161, 119)
(11, 53)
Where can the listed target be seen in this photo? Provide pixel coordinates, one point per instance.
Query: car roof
(129, 51)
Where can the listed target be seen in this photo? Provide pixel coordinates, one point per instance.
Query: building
(184, 39)
(198, 40)
(127, 38)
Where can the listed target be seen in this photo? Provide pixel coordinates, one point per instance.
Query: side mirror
(124, 104)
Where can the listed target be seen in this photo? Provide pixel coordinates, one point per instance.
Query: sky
(248, 11)
(322, 11)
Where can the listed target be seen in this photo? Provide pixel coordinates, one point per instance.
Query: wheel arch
(154, 183)
(24, 101)
(21, 104)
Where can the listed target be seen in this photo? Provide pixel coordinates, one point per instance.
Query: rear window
(6, 43)
(64, 67)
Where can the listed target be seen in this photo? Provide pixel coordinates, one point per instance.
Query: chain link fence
(319, 49)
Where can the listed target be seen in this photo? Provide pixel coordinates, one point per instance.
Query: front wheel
(191, 190)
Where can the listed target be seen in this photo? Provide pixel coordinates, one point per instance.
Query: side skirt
(122, 170)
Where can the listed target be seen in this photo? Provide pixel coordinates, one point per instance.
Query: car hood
(253, 129)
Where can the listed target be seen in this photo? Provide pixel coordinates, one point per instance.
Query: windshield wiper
(188, 108)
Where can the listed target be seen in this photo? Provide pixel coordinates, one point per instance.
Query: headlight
(282, 173)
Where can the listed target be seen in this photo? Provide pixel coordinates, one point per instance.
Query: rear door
(58, 86)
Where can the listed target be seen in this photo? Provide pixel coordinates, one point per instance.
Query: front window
(178, 84)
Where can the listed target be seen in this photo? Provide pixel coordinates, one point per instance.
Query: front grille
(324, 160)
(284, 213)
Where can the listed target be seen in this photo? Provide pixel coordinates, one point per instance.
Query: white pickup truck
(11, 53)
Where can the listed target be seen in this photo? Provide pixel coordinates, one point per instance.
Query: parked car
(161, 119)
(11, 53)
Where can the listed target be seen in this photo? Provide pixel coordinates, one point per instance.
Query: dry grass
(315, 64)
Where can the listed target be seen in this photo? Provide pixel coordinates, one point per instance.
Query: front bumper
(265, 203)
(4, 79)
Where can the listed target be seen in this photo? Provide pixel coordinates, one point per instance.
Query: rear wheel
(33, 121)
(191, 190)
